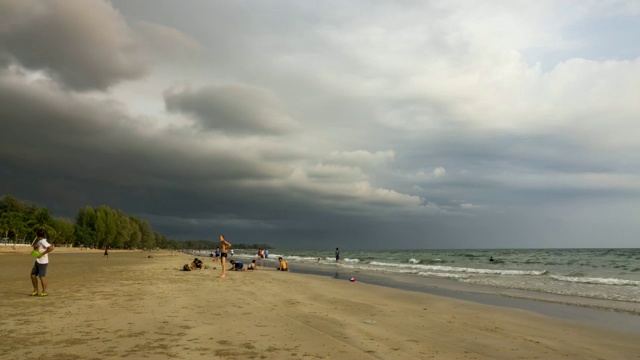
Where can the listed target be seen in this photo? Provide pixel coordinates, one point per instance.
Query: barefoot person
(224, 246)
(42, 261)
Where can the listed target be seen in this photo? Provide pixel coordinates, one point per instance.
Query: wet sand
(132, 306)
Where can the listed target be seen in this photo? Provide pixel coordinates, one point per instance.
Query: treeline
(102, 226)
(19, 221)
(208, 244)
(93, 227)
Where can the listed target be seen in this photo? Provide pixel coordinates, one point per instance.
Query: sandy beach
(133, 306)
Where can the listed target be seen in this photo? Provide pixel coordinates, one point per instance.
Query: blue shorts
(39, 269)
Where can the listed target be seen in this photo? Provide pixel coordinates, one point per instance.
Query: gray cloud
(308, 124)
(166, 42)
(233, 109)
(73, 150)
(86, 44)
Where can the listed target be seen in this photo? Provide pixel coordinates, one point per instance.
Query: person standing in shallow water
(224, 247)
(337, 254)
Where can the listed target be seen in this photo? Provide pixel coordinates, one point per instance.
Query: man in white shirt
(42, 261)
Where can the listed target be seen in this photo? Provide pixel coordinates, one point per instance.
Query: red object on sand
(352, 279)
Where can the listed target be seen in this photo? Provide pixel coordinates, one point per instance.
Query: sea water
(610, 276)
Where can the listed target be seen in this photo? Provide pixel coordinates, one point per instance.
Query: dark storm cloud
(48, 132)
(84, 43)
(232, 108)
(69, 150)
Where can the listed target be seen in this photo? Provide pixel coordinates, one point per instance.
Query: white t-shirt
(42, 247)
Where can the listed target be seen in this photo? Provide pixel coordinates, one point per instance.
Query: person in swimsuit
(217, 257)
(224, 246)
(337, 254)
(106, 251)
(252, 266)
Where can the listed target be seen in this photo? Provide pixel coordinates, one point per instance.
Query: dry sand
(132, 306)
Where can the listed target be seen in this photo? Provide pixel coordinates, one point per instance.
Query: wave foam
(596, 281)
(460, 269)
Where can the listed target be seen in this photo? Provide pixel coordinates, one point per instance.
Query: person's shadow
(337, 275)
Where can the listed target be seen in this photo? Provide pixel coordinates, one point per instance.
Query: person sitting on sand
(197, 263)
(237, 265)
(283, 265)
(252, 266)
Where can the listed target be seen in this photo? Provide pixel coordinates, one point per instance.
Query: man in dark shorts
(224, 246)
(42, 261)
(337, 254)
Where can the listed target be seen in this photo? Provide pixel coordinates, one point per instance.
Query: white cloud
(361, 157)
(439, 171)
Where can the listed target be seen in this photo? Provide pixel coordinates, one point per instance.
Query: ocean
(601, 278)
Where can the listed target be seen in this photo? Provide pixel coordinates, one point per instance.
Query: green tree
(136, 234)
(84, 229)
(42, 220)
(14, 223)
(64, 231)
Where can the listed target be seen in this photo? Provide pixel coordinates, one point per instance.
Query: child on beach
(252, 266)
(283, 265)
(237, 265)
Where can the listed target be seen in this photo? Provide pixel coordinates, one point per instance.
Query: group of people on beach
(41, 249)
(224, 250)
(196, 264)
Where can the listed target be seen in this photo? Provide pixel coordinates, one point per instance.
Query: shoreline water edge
(598, 286)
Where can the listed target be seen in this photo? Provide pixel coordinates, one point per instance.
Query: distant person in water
(283, 265)
(337, 254)
(224, 247)
(491, 259)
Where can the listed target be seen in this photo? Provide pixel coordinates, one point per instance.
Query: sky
(316, 124)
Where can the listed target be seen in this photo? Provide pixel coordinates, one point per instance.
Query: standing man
(224, 246)
(217, 254)
(42, 261)
(106, 251)
(337, 254)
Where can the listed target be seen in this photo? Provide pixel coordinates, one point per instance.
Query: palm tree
(42, 220)
(13, 222)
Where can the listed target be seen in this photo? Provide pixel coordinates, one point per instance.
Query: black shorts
(223, 255)
(39, 269)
